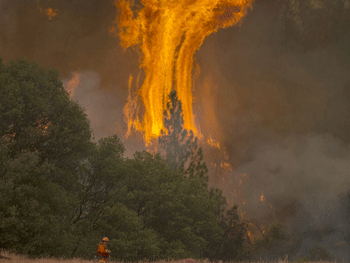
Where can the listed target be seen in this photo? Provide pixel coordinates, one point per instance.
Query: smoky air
(279, 89)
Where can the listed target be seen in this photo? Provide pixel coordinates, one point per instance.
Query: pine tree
(180, 146)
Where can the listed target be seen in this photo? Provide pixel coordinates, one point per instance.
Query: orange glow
(50, 12)
(262, 198)
(73, 83)
(226, 166)
(44, 127)
(213, 143)
(167, 33)
(250, 235)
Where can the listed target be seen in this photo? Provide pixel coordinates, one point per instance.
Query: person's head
(105, 241)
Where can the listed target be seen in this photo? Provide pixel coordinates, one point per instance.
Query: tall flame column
(167, 33)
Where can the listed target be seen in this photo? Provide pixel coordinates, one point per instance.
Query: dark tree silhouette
(180, 146)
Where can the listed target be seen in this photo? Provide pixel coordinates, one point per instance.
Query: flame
(50, 12)
(207, 111)
(73, 83)
(250, 235)
(218, 160)
(262, 198)
(167, 33)
(211, 142)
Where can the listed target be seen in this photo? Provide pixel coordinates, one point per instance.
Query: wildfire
(73, 83)
(213, 143)
(262, 198)
(168, 32)
(50, 12)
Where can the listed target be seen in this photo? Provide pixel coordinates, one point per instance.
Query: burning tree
(167, 34)
(180, 145)
(182, 153)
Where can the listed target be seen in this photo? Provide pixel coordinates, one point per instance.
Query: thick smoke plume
(100, 105)
(283, 108)
(304, 181)
(77, 38)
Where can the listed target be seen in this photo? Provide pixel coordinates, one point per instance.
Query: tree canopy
(61, 192)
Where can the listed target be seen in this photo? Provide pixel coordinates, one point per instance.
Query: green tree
(38, 116)
(45, 138)
(155, 193)
(180, 210)
(231, 243)
(32, 208)
(102, 179)
(180, 146)
(219, 233)
(62, 192)
(130, 240)
(275, 234)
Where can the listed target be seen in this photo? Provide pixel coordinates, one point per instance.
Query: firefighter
(102, 251)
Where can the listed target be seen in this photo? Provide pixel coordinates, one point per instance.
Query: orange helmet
(105, 239)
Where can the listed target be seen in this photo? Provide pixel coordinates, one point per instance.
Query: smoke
(301, 182)
(8, 22)
(77, 38)
(302, 179)
(283, 110)
(102, 108)
(268, 88)
(313, 169)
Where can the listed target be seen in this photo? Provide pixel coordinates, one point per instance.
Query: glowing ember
(262, 198)
(250, 235)
(213, 143)
(50, 12)
(168, 33)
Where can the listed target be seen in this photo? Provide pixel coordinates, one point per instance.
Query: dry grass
(22, 259)
(12, 258)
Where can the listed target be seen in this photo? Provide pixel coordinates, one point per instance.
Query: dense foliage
(61, 192)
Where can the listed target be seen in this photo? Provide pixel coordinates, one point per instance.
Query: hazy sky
(266, 85)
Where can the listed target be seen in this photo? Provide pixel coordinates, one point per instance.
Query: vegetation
(61, 192)
(6, 256)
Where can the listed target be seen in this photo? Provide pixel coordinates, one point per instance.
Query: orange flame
(213, 143)
(168, 32)
(50, 12)
(73, 83)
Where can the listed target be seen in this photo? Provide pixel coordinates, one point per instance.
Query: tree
(101, 181)
(219, 233)
(38, 116)
(179, 211)
(30, 205)
(180, 146)
(229, 243)
(45, 138)
(61, 192)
